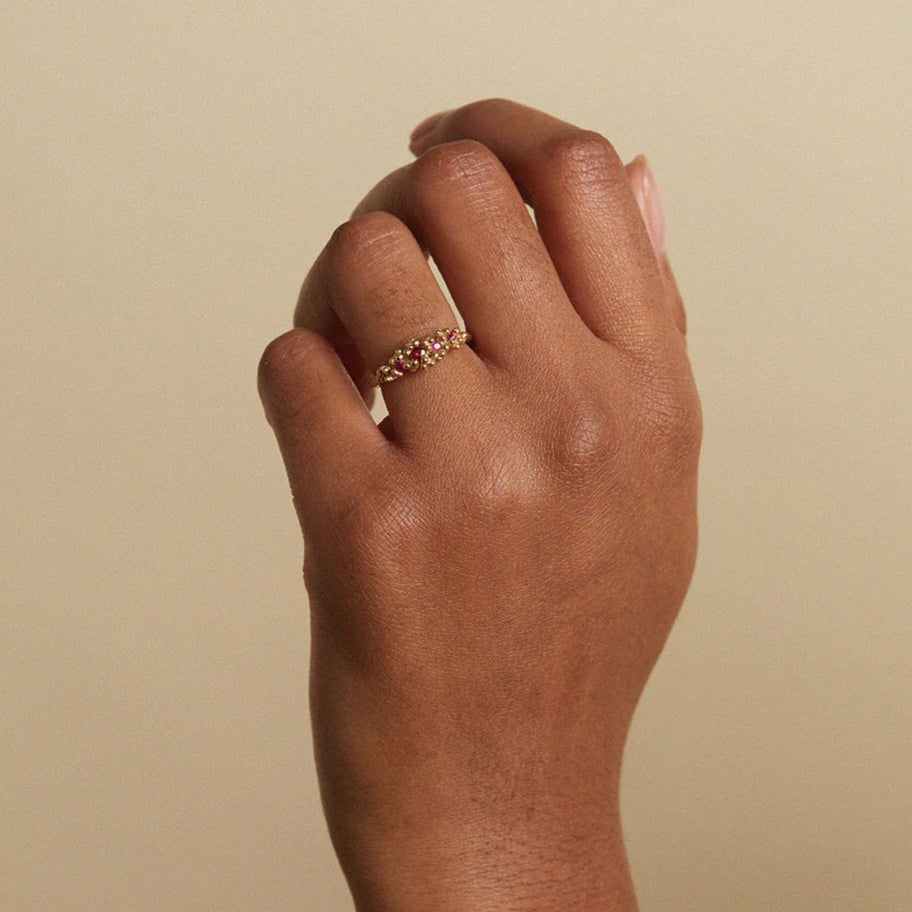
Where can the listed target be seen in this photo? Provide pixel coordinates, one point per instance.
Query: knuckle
(371, 238)
(584, 437)
(292, 347)
(503, 474)
(583, 156)
(672, 418)
(274, 358)
(508, 479)
(495, 469)
(457, 166)
(375, 514)
(370, 528)
(372, 260)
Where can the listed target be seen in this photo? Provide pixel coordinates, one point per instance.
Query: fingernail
(422, 133)
(655, 213)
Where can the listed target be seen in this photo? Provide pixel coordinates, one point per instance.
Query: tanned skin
(494, 570)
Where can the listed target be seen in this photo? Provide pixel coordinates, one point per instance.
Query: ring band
(419, 354)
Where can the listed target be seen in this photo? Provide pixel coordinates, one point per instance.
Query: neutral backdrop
(169, 171)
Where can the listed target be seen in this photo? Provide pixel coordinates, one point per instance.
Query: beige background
(169, 170)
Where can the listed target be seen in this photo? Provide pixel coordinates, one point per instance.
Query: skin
(494, 570)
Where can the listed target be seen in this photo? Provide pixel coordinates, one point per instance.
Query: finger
(351, 358)
(646, 191)
(317, 314)
(375, 278)
(324, 430)
(585, 210)
(462, 204)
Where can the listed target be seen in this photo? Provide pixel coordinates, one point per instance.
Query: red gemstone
(399, 365)
(454, 335)
(416, 353)
(437, 346)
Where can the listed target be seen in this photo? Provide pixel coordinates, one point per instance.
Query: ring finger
(374, 276)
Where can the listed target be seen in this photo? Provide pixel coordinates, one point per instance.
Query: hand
(492, 572)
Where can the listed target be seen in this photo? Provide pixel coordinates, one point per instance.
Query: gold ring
(419, 354)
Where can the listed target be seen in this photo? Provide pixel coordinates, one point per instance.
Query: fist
(494, 569)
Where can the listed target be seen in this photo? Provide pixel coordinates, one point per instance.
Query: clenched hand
(492, 571)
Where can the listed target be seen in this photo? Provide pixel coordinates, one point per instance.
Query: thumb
(646, 190)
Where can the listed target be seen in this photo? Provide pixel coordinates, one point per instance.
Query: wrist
(538, 862)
